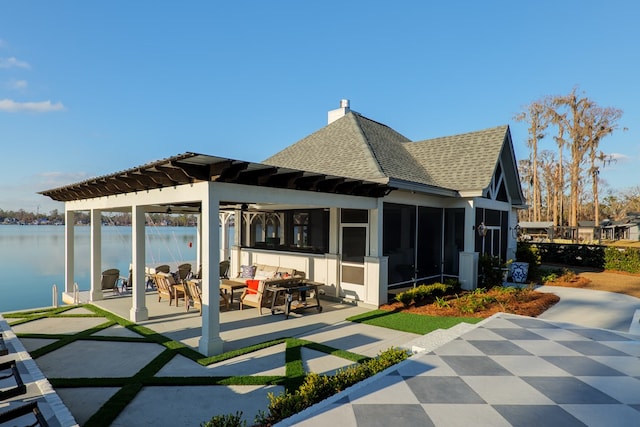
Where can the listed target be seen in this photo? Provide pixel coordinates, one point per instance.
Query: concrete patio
(508, 370)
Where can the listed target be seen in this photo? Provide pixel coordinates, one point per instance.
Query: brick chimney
(334, 115)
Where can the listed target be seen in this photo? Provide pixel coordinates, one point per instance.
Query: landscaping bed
(480, 303)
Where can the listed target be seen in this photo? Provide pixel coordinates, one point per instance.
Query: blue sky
(91, 88)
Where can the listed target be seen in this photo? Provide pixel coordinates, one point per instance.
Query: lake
(32, 258)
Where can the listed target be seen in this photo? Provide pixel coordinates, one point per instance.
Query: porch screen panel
(398, 241)
(429, 256)
(453, 240)
(354, 244)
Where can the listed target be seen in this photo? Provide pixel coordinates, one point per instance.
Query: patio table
(229, 286)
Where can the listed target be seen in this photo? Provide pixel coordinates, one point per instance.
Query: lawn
(409, 322)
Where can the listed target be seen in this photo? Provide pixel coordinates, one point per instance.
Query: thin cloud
(13, 62)
(11, 106)
(17, 84)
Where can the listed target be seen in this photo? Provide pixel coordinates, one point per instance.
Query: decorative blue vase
(519, 271)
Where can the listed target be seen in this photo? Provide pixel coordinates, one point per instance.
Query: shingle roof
(461, 162)
(357, 147)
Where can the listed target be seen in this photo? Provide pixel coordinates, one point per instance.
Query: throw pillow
(252, 286)
(247, 271)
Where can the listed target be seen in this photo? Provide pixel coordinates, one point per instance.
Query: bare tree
(549, 168)
(524, 170)
(586, 124)
(535, 115)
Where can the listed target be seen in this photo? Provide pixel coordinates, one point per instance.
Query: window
(292, 230)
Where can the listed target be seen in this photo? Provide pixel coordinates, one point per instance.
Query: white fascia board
(196, 192)
(253, 194)
(165, 195)
(422, 188)
(471, 193)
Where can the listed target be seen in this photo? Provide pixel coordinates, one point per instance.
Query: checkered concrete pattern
(509, 370)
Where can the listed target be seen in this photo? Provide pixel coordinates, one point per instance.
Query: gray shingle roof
(357, 147)
(461, 162)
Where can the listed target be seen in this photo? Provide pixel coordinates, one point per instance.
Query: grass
(409, 322)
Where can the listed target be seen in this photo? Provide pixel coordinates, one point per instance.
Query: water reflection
(32, 258)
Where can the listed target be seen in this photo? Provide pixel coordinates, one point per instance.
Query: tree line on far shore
(82, 218)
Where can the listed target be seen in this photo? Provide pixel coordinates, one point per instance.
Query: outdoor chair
(194, 293)
(164, 268)
(127, 282)
(224, 269)
(254, 295)
(184, 270)
(178, 289)
(109, 280)
(163, 286)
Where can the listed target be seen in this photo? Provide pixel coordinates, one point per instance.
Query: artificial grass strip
(38, 312)
(114, 406)
(409, 322)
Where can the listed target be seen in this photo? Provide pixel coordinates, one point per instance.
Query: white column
(376, 265)
(210, 341)
(236, 250)
(96, 254)
(138, 310)
(468, 263)
(69, 257)
(470, 227)
(334, 248)
(198, 242)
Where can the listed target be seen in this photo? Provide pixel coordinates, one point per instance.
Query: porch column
(377, 265)
(468, 263)
(138, 310)
(69, 257)
(198, 242)
(236, 250)
(96, 254)
(334, 264)
(210, 341)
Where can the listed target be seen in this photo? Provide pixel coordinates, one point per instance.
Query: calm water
(32, 258)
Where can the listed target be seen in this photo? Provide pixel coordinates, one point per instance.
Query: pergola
(204, 185)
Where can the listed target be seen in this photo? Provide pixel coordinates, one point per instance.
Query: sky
(92, 88)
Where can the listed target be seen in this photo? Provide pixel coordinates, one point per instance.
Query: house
(356, 206)
(625, 229)
(536, 231)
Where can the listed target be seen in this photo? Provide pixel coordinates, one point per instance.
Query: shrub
(489, 269)
(405, 297)
(420, 293)
(226, 421)
(316, 388)
(622, 259)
